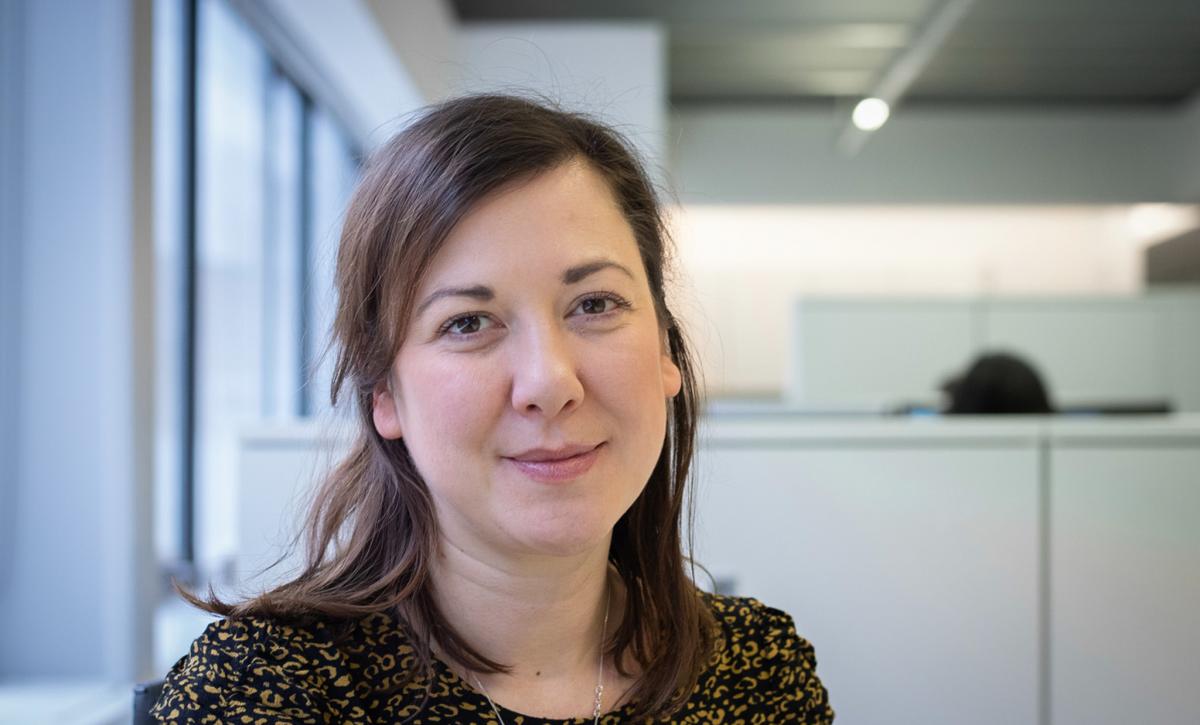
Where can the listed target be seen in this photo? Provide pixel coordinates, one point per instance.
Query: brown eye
(600, 304)
(463, 325)
(595, 305)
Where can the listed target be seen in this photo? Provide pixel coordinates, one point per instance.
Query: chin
(563, 538)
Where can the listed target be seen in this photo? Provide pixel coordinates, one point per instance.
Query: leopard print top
(262, 671)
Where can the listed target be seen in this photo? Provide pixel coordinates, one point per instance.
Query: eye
(600, 303)
(464, 325)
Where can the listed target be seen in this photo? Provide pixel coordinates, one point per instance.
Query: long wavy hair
(371, 531)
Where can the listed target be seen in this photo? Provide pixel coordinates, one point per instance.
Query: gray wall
(1174, 260)
(1189, 156)
(939, 157)
(73, 588)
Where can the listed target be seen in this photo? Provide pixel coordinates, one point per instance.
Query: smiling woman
(564, 417)
(504, 542)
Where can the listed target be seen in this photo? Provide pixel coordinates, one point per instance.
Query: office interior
(172, 179)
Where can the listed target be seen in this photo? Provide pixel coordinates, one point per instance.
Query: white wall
(75, 594)
(616, 71)
(340, 54)
(745, 265)
(424, 37)
(989, 156)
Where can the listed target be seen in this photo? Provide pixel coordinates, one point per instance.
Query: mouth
(556, 466)
(546, 455)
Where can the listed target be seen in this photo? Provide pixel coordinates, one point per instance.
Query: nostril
(545, 382)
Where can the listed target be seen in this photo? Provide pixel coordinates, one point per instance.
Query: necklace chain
(599, 677)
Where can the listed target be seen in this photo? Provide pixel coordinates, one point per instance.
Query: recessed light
(871, 113)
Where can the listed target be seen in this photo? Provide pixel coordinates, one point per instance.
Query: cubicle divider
(1023, 570)
(907, 553)
(1091, 350)
(1124, 559)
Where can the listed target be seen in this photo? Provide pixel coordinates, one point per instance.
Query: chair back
(144, 697)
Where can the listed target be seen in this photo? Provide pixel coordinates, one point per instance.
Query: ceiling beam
(907, 66)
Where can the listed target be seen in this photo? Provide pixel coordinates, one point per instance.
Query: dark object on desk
(144, 697)
(998, 383)
(1137, 407)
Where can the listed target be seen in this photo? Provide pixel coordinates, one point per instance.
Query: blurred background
(893, 219)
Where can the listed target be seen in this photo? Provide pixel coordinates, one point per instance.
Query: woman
(503, 544)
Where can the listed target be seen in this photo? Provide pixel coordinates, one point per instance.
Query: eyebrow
(476, 292)
(484, 293)
(579, 271)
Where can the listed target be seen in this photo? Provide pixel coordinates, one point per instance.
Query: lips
(556, 465)
(555, 454)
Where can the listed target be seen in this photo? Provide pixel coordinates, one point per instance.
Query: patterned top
(262, 671)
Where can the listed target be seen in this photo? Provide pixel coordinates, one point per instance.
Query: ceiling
(1121, 53)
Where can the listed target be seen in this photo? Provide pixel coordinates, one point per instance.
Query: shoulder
(260, 667)
(741, 612)
(753, 633)
(762, 660)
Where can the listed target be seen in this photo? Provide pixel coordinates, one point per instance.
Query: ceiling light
(870, 114)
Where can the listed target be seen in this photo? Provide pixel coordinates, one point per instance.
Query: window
(333, 175)
(232, 78)
(254, 179)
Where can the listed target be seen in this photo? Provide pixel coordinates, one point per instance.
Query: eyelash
(620, 302)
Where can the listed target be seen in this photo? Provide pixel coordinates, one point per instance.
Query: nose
(544, 373)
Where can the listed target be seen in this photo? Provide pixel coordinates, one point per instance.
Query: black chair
(144, 697)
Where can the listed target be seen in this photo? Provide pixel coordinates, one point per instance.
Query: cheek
(638, 408)
(631, 380)
(446, 406)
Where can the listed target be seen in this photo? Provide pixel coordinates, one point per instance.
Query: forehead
(546, 223)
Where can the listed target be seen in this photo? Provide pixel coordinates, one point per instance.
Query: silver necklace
(599, 677)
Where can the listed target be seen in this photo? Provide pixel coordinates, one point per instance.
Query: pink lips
(544, 466)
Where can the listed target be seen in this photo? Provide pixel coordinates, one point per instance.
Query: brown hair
(371, 531)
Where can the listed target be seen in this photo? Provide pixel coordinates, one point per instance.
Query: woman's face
(531, 387)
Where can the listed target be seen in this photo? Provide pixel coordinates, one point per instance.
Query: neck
(542, 616)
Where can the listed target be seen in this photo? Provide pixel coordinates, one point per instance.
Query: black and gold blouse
(262, 671)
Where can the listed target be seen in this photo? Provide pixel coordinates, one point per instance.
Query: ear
(672, 378)
(384, 412)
